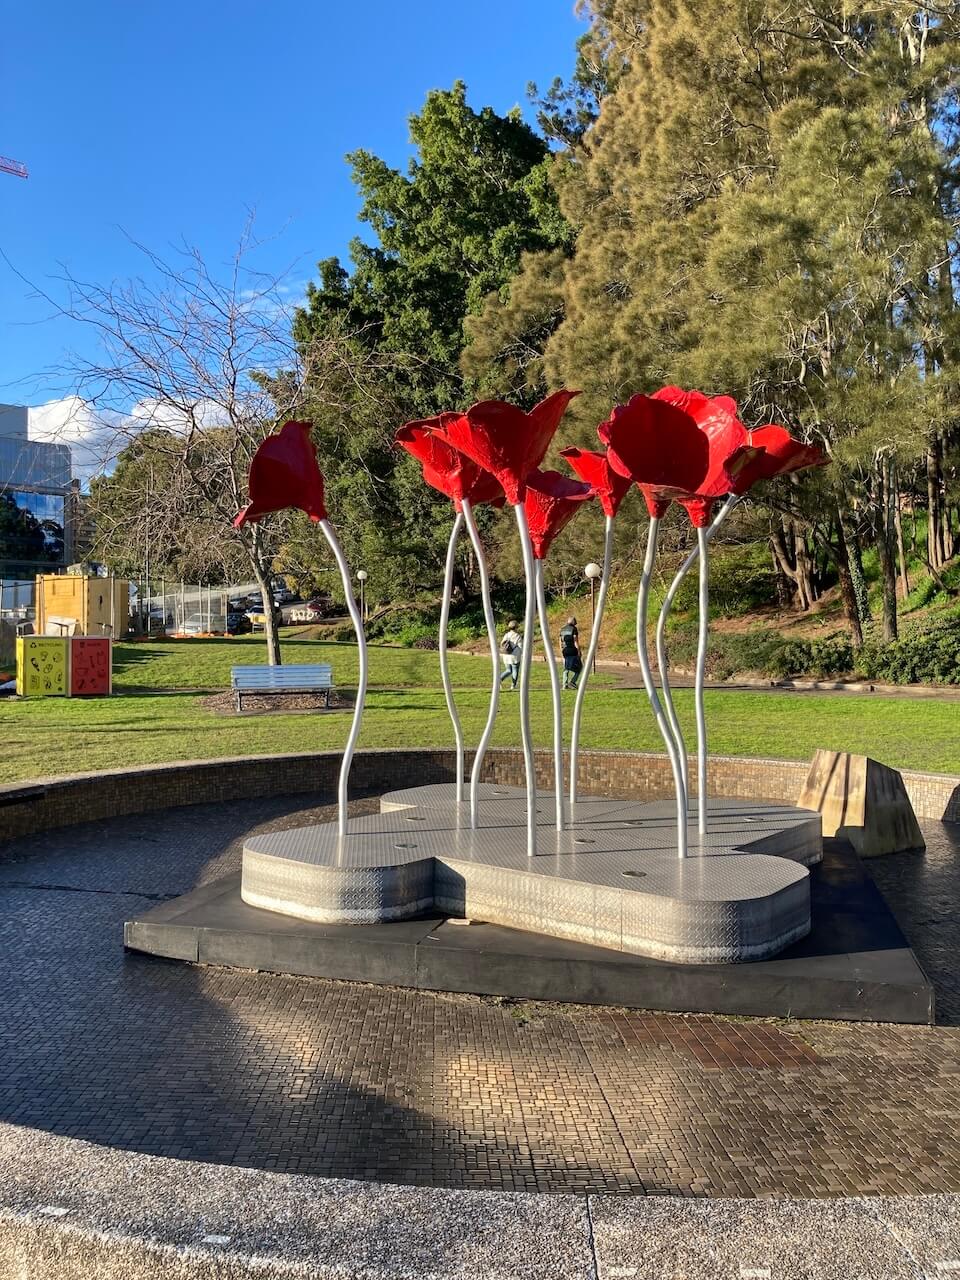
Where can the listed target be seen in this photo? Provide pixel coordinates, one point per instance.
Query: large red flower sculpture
(506, 441)
(657, 446)
(778, 455)
(551, 502)
(728, 447)
(594, 467)
(446, 468)
(284, 473)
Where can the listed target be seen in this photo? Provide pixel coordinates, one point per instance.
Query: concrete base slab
(854, 965)
(612, 878)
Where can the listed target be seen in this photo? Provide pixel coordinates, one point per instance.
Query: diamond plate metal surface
(613, 879)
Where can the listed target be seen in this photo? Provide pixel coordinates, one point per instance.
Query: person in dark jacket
(570, 652)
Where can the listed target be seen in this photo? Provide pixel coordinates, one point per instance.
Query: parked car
(238, 604)
(238, 623)
(254, 601)
(199, 625)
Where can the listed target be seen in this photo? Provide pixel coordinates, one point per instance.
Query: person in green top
(570, 652)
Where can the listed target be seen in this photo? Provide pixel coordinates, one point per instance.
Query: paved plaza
(342, 1080)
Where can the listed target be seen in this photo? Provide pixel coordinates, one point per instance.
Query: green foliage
(927, 656)
(476, 197)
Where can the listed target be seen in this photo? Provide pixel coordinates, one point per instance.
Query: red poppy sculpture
(284, 473)
(551, 502)
(708, 457)
(464, 483)
(509, 444)
(610, 487)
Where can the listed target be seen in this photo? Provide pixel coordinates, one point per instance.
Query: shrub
(931, 656)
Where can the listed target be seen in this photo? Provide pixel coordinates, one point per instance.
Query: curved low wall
(29, 807)
(70, 1210)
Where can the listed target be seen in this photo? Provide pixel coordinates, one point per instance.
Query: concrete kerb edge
(70, 1209)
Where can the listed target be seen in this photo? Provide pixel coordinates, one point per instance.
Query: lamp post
(362, 576)
(593, 572)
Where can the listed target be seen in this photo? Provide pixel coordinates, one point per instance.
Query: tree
(193, 373)
(765, 205)
(453, 229)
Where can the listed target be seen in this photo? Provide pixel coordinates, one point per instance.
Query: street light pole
(592, 572)
(362, 578)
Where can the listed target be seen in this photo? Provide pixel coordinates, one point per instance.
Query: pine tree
(764, 206)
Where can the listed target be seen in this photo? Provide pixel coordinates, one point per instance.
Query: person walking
(511, 647)
(570, 652)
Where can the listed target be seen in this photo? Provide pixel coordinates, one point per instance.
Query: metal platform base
(854, 965)
(612, 879)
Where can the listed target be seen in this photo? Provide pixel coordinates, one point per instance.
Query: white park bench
(301, 678)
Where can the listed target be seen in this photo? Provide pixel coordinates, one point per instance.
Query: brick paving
(339, 1079)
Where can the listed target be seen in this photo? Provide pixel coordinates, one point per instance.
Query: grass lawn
(157, 714)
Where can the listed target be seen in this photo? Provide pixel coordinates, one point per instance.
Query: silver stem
(685, 568)
(643, 599)
(494, 658)
(551, 661)
(348, 750)
(702, 547)
(526, 659)
(591, 655)
(444, 663)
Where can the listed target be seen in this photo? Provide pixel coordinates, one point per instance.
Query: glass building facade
(34, 495)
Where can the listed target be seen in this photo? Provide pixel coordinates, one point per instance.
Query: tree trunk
(270, 630)
(898, 527)
(885, 549)
(792, 558)
(934, 544)
(847, 590)
(805, 583)
(854, 558)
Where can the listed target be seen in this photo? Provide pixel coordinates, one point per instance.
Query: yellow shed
(71, 605)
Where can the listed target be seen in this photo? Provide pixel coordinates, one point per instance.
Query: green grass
(157, 715)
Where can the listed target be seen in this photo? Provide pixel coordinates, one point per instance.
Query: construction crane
(13, 166)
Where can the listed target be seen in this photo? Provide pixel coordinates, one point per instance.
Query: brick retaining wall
(29, 807)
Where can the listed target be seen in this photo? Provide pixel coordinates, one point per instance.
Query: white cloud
(97, 437)
(91, 435)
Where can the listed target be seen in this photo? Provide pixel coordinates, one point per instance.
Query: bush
(931, 656)
(825, 659)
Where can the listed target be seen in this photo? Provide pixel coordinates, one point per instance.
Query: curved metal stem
(551, 660)
(494, 657)
(526, 659)
(643, 599)
(591, 654)
(684, 569)
(444, 663)
(702, 547)
(348, 750)
(663, 666)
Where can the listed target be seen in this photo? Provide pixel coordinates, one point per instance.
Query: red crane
(13, 166)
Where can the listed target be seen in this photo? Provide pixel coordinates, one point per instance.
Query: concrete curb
(70, 1210)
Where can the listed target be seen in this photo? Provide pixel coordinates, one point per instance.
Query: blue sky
(170, 121)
